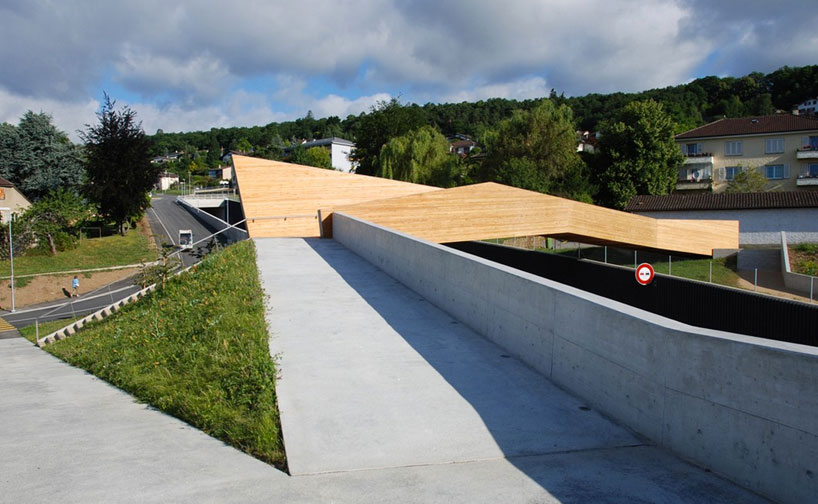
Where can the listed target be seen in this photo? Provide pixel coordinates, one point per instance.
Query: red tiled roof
(723, 201)
(779, 123)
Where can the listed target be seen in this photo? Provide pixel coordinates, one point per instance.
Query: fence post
(634, 259)
(811, 281)
(755, 279)
(711, 271)
(669, 266)
(606, 254)
(37, 331)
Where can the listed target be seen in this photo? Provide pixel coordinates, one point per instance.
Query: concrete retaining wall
(213, 222)
(766, 259)
(803, 284)
(745, 407)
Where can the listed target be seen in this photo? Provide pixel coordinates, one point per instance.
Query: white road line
(163, 226)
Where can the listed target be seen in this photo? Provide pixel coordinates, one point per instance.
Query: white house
(340, 151)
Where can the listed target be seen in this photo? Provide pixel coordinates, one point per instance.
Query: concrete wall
(234, 234)
(758, 227)
(803, 284)
(745, 407)
(766, 259)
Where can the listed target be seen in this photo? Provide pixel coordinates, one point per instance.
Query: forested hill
(689, 105)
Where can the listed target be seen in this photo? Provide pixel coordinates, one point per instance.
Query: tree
(747, 180)
(420, 156)
(52, 223)
(385, 121)
(537, 150)
(314, 156)
(637, 154)
(120, 172)
(37, 157)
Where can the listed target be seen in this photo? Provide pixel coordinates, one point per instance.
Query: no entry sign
(644, 274)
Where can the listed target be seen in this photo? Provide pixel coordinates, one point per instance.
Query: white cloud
(67, 116)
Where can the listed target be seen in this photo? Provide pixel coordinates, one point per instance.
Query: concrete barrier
(744, 407)
(803, 284)
(234, 234)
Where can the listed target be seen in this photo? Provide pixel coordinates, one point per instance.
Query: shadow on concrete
(526, 415)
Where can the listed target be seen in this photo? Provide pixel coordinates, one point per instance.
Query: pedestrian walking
(75, 287)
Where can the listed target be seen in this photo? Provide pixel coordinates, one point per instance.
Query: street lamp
(11, 256)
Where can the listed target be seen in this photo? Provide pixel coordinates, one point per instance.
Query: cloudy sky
(192, 65)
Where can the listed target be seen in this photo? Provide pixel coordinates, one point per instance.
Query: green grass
(683, 267)
(102, 252)
(30, 332)
(196, 350)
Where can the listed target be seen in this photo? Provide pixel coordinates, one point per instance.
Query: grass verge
(196, 350)
(114, 250)
(30, 332)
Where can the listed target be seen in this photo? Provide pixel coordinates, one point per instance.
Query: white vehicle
(186, 238)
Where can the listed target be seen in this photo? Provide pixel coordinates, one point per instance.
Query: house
(809, 107)
(340, 152)
(12, 201)
(784, 147)
(221, 173)
(761, 216)
(587, 141)
(166, 180)
(460, 144)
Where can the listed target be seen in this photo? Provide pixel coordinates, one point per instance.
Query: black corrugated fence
(695, 303)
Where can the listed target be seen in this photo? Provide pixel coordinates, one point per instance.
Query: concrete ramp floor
(373, 376)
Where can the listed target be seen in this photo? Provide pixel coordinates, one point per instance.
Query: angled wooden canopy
(282, 199)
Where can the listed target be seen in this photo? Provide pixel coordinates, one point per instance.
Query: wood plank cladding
(489, 210)
(282, 199)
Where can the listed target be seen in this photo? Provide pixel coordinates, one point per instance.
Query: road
(166, 218)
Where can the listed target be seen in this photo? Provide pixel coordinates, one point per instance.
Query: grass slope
(102, 252)
(197, 350)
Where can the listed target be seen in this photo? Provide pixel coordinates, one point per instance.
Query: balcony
(807, 152)
(700, 158)
(806, 180)
(694, 185)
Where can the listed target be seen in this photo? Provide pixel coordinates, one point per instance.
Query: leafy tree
(52, 223)
(747, 180)
(385, 121)
(314, 156)
(37, 157)
(637, 154)
(536, 150)
(420, 156)
(161, 270)
(120, 173)
(213, 152)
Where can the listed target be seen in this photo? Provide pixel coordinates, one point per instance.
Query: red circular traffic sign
(644, 274)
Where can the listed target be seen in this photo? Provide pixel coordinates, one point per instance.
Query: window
(732, 148)
(810, 171)
(691, 149)
(774, 145)
(730, 172)
(813, 142)
(776, 171)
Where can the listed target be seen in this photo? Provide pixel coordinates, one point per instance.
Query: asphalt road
(166, 218)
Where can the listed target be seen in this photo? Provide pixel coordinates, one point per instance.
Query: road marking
(163, 226)
(5, 326)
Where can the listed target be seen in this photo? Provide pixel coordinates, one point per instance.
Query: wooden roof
(283, 199)
(490, 210)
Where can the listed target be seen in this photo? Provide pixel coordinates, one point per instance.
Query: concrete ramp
(374, 376)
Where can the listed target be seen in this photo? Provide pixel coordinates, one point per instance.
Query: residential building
(587, 141)
(462, 147)
(166, 180)
(809, 107)
(11, 198)
(784, 147)
(340, 152)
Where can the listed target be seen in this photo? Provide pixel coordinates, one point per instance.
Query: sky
(192, 65)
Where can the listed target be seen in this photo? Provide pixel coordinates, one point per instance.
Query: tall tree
(385, 121)
(120, 172)
(637, 154)
(537, 150)
(37, 157)
(314, 156)
(420, 156)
